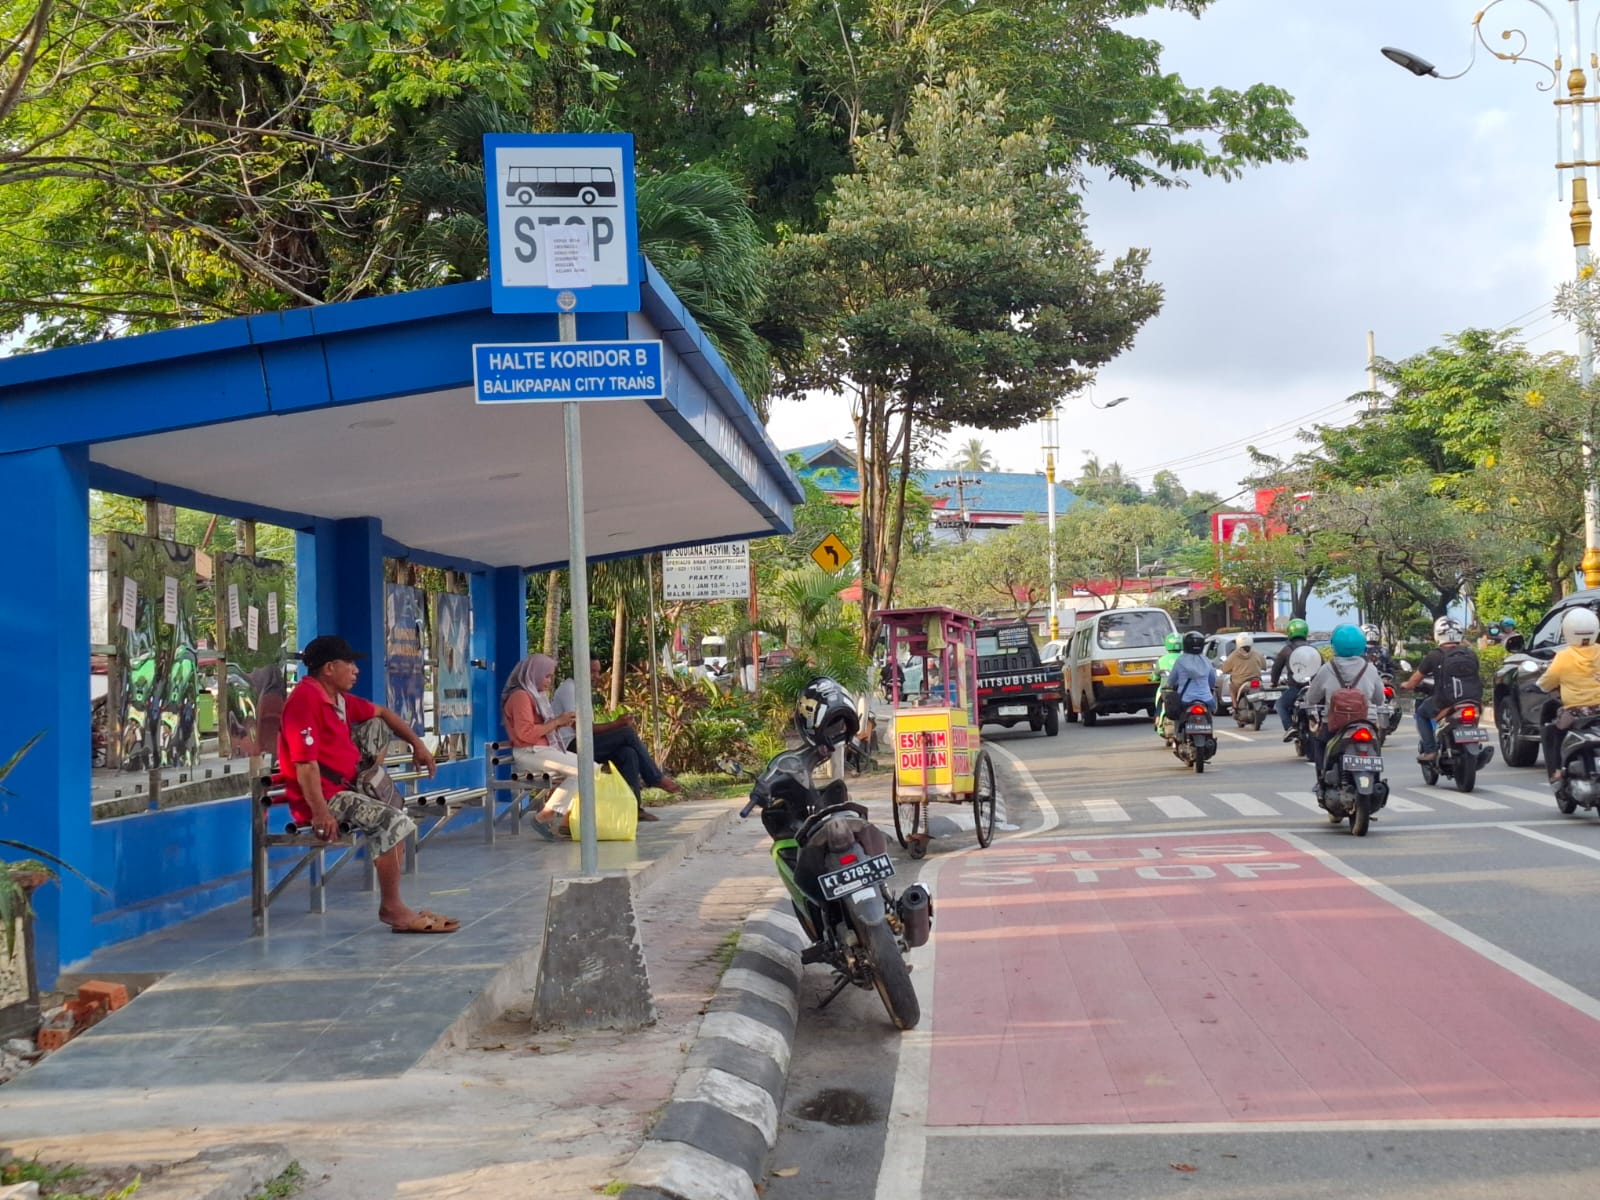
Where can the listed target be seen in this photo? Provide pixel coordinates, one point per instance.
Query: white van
(1110, 664)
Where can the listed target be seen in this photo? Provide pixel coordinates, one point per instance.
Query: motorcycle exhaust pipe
(915, 907)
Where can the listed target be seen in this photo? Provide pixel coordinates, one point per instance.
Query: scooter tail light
(1255, 683)
(1388, 693)
(1197, 709)
(1469, 713)
(846, 859)
(1361, 735)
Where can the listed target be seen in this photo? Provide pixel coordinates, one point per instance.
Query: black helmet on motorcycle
(825, 715)
(1193, 642)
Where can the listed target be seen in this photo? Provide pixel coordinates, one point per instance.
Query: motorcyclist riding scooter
(1347, 671)
(1453, 667)
(1173, 648)
(1576, 671)
(1377, 653)
(1298, 631)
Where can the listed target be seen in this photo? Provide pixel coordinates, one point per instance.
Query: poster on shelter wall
(153, 694)
(251, 692)
(403, 661)
(452, 632)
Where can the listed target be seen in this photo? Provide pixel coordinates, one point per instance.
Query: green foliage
(701, 726)
(287, 1182)
(1110, 544)
(1520, 592)
(1489, 660)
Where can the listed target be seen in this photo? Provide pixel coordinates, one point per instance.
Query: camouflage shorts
(384, 827)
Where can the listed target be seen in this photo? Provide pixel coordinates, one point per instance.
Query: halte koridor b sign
(562, 230)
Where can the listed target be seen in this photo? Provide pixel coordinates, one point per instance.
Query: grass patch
(615, 1188)
(64, 1182)
(726, 949)
(287, 1183)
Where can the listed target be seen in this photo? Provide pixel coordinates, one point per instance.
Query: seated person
(321, 766)
(534, 725)
(615, 742)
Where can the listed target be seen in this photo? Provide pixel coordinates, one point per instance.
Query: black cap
(326, 649)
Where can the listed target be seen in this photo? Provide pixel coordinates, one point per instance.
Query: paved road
(1172, 984)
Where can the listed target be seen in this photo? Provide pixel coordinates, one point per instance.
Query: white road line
(1104, 811)
(1049, 818)
(1203, 1128)
(1559, 989)
(1542, 799)
(1545, 837)
(1303, 799)
(1246, 806)
(1461, 799)
(1238, 737)
(1176, 807)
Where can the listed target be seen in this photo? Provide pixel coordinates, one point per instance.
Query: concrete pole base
(591, 966)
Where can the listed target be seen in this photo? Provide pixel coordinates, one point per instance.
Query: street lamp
(1050, 436)
(1576, 100)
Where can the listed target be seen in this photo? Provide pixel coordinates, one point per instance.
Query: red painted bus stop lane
(1225, 978)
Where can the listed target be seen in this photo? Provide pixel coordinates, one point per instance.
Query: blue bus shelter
(354, 424)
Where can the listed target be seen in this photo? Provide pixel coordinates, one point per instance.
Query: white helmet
(1304, 663)
(1579, 627)
(1245, 641)
(1446, 630)
(1372, 634)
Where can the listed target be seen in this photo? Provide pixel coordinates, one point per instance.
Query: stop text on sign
(1178, 864)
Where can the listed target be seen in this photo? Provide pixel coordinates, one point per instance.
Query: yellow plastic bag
(616, 810)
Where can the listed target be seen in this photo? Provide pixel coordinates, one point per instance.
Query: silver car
(1220, 645)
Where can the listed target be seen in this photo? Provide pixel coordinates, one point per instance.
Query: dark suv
(1520, 708)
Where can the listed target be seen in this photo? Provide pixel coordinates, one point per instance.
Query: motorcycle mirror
(1405, 665)
(1514, 644)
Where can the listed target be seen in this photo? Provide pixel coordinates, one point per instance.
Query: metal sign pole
(578, 577)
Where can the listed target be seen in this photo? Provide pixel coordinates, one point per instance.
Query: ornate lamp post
(1577, 99)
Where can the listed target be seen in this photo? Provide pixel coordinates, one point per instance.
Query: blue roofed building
(966, 504)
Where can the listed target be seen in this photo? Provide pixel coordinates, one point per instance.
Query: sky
(1424, 207)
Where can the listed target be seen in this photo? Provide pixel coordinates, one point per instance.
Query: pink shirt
(523, 720)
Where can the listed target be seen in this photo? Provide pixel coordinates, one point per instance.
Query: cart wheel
(918, 847)
(907, 820)
(983, 797)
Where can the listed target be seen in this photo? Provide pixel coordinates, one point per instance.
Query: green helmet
(1174, 642)
(1298, 629)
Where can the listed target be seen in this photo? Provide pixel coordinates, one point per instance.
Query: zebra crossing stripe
(1105, 811)
(1400, 804)
(1176, 807)
(1540, 798)
(1462, 799)
(1303, 799)
(1246, 806)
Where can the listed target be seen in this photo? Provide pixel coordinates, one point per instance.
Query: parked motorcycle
(1351, 786)
(1192, 738)
(1463, 747)
(1254, 704)
(1580, 763)
(835, 865)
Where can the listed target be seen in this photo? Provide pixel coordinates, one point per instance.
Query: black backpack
(1457, 678)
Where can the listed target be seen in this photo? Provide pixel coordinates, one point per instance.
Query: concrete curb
(712, 1140)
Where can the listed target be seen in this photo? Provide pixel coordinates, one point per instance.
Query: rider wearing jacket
(1297, 631)
(1576, 671)
(1377, 655)
(1191, 680)
(1174, 648)
(1348, 668)
(1242, 665)
(1447, 632)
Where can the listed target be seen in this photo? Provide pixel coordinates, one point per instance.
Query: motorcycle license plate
(1013, 710)
(1361, 762)
(846, 879)
(1198, 726)
(1471, 735)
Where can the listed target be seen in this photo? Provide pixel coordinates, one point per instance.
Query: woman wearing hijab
(533, 723)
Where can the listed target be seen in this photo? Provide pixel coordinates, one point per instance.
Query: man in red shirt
(319, 758)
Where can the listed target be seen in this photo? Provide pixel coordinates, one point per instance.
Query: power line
(1294, 425)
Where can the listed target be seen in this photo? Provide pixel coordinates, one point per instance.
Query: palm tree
(624, 583)
(973, 456)
(694, 225)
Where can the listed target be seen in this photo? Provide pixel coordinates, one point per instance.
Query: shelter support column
(44, 642)
(499, 641)
(339, 590)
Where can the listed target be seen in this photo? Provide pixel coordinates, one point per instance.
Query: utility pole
(1372, 372)
(959, 482)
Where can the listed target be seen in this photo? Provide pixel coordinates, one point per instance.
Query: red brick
(53, 1039)
(113, 995)
(85, 1012)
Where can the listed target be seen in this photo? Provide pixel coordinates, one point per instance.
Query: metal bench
(504, 798)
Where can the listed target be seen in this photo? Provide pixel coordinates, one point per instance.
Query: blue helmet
(1349, 642)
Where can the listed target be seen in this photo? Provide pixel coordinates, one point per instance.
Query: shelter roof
(366, 409)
